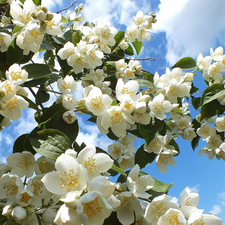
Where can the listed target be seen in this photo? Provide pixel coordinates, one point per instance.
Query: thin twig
(140, 59)
(67, 7)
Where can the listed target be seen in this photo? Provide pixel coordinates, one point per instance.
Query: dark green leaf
(193, 89)
(137, 46)
(143, 158)
(50, 143)
(68, 35)
(42, 96)
(70, 130)
(65, 68)
(32, 105)
(14, 53)
(46, 45)
(77, 37)
(185, 63)
(212, 92)
(196, 102)
(112, 219)
(129, 50)
(118, 38)
(89, 24)
(50, 79)
(195, 141)
(148, 76)
(37, 2)
(60, 40)
(150, 131)
(37, 70)
(112, 136)
(211, 109)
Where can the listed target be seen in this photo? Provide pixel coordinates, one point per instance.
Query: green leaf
(159, 188)
(195, 102)
(65, 68)
(148, 76)
(70, 130)
(143, 158)
(46, 45)
(137, 46)
(49, 79)
(16, 29)
(63, 19)
(193, 89)
(89, 24)
(118, 38)
(37, 2)
(68, 35)
(211, 109)
(77, 37)
(42, 96)
(145, 83)
(185, 63)
(212, 92)
(195, 141)
(129, 50)
(50, 143)
(37, 70)
(150, 131)
(14, 53)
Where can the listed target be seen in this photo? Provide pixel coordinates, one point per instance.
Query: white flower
(22, 17)
(207, 219)
(10, 185)
(113, 118)
(94, 56)
(70, 178)
(107, 35)
(53, 27)
(159, 107)
(67, 85)
(129, 89)
(218, 54)
(203, 63)
(5, 41)
(220, 124)
(172, 216)
(93, 208)
(96, 102)
(165, 158)
(116, 150)
(67, 215)
(155, 145)
(95, 163)
(126, 161)
(8, 90)
(22, 163)
(188, 202)
(33, 34)
(16, 75)
(44, 165)
(24, 197)
(67, 50)
(121, 65)
(131, 33)
(215, 70)
(138, 185)
(69, 117)
(48, 216)
(69, 102)
(158, 207)
(206, 131)
(129, 205)
(143, 34)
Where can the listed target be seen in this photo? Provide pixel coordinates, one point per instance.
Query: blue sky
(184, 28)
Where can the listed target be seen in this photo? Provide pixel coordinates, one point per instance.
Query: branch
(140, 59)
(67, 7)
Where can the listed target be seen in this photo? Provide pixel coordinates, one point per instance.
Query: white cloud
(216, 210)
(195, 189)
(117, 11)
(89, 134)
(191, 26)
(53, 4)
(175, 200)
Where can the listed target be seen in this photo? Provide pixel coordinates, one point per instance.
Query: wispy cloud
(117, 11)
(216, 210)
(191, 27)
(175, 200)
(195, 189)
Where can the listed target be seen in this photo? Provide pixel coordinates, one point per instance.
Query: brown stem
(67, 7)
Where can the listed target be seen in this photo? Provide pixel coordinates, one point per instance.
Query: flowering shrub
(68, 183)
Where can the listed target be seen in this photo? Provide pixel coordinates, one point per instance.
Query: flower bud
(69, 116)
(41, 16)
(48, 216)
(7, 210)
(44, 9)
(43, 26)
(34, 15)
(49, 16)
(80, 18)
(19, 213)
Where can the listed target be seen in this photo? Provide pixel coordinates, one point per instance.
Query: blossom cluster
(75, 189)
